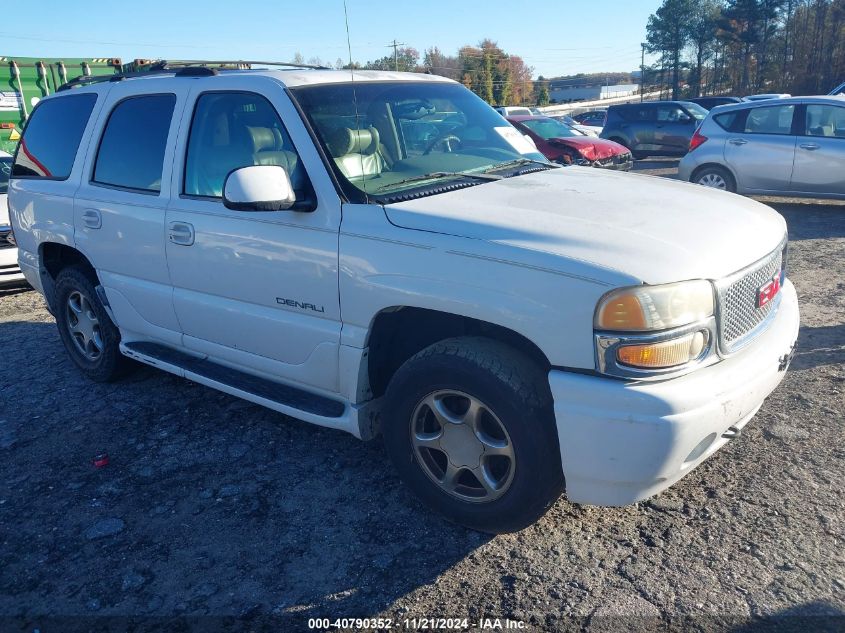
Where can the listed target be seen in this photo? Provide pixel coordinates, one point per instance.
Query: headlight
(654, 308)
(655, 331)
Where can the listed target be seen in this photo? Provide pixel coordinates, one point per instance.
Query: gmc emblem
(768, 291)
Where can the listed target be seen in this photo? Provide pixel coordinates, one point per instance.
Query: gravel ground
(211, 506)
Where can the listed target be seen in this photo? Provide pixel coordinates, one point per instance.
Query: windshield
(549, 128)
(391, 138)
(698, 113)
(5, 170)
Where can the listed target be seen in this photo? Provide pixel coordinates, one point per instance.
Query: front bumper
(622, 442)
(623, 162)
(10, 271)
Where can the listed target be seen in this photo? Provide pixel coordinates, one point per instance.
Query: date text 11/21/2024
(416, 624)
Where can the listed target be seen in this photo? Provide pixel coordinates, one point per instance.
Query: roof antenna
(354, 96)
(348, 41)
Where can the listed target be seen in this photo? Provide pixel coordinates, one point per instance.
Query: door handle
(738, 141)
(810, 146)
(92, 219)
(181, 233)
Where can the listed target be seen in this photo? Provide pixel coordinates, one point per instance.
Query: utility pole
(395, 46)
(642, 75)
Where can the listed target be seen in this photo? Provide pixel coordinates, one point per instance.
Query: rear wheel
(86, 330)
(715, 177)
(470, 427)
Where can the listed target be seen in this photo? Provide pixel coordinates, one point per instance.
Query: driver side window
(237, 129)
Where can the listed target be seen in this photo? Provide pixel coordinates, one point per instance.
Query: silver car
(793, 146)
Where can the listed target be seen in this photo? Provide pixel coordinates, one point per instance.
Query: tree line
(494, 75)
(747, 46)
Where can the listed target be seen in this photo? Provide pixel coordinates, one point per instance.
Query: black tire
(516, 391)
(109, 363)
(715, 172)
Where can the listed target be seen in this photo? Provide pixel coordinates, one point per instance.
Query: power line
(395, 46)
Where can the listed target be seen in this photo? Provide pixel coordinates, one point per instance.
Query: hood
(590, 147)
(653, 229)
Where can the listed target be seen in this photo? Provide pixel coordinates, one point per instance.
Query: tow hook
(732, 433)
(783, 361)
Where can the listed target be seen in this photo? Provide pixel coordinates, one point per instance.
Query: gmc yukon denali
(384, 254)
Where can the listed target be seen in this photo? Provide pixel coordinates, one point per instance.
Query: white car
(586, 130)
(10, 272)
(766, 97)
(512, 328)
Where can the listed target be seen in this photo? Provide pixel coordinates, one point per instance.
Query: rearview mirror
(258, 188)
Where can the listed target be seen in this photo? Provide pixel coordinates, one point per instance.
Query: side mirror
(258, 188)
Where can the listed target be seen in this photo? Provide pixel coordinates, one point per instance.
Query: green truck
(25, 80)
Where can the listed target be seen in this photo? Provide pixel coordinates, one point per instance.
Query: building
(566, 92)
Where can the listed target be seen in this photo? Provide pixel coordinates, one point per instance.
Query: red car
(562, 144)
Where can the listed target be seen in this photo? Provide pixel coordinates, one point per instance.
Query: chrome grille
(740, 320)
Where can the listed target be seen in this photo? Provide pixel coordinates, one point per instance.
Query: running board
(239, 383)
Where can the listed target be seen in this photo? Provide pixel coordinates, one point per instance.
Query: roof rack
(239, 64)
(179, 68)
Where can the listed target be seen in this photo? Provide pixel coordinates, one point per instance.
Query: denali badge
(298, 304)
(768, 291)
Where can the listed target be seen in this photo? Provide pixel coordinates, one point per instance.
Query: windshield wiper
(442, 174)
(519, 162)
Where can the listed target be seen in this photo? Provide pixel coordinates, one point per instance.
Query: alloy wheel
(462, 446)
(83, 325)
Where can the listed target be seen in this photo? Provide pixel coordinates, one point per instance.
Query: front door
(119, 208)
(820, 152)
(256, 290)
(762, 154)
(673, 129)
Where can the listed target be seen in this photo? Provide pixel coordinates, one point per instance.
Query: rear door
(637, 124)
(119, 210)
(820, 152)
(762, 151)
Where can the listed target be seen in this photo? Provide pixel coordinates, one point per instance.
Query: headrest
(345, 141)
(263, 138)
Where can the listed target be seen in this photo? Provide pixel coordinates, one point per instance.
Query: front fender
(384, 266)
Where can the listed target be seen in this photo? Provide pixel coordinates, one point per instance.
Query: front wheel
(470, 427)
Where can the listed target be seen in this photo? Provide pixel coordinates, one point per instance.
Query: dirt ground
(213, 512)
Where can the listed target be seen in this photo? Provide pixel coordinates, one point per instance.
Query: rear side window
(131, 153)
(52, 137)
(637, 113)
(731, 121)
(770, 120)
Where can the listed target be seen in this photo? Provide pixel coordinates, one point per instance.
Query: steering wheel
(449, 141)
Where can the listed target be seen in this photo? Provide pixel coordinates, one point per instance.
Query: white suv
(389, 256)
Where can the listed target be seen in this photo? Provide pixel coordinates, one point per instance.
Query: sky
(557, 38)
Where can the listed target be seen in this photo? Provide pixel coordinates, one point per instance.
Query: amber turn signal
(665, 354)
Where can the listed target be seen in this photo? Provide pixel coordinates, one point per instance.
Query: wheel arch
(52, 258)
(398, 332)
(711, 164)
